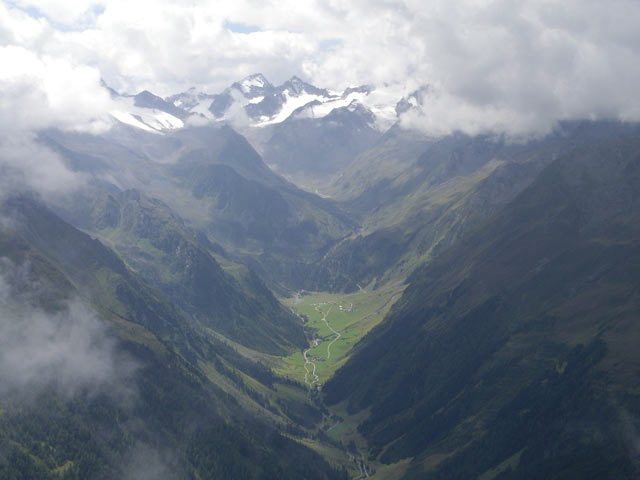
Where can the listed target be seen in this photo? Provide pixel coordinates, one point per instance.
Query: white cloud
(65, 13)
(39, 91)
(18, 28)
(518, 67)
(515, 67)
(27, 165)
(69, 350)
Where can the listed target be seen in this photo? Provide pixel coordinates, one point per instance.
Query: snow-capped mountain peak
(148, 119)
(193, 102)
(255, 81)
(146, 111)
(295, 86)
(255, 102)
(252, 86)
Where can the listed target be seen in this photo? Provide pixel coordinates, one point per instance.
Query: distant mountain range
(255, 102)
(265, 104)
(304, 132)
(160, 313)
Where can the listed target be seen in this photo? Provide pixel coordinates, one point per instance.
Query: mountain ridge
(514, 333)
(154, 411)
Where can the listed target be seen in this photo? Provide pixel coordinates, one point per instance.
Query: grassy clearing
(360, 312)
(346, 432)
(271, 361)
(334, 456)
(346, 429)
(351, 315)
(228, 386)
(391, 471)
(510, 463)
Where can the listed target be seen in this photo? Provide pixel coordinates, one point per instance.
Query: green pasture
(351, 315)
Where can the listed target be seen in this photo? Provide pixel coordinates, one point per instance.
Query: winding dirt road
(324, 319)
(309, 365)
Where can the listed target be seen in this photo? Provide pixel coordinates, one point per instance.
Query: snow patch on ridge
(382, 103)
(254, 102)
(202, 108)
(291, 104)
(147, 119)
(252, 81)
(325, 108)
(129, 119)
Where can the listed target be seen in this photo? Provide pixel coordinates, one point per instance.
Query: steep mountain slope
(94, 270)
(313, 150)
(100, 276)
(513, 353)
(92, 384)
(260, 219)
(155, 242)
(413, 203)
(213, 179)
(306, 133)
(395, 151)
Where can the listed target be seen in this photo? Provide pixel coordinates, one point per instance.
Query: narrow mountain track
(309, 365)
(338, 335)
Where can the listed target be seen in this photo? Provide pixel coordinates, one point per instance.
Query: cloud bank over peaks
(520, 67)
(38, 92)
(491, 65)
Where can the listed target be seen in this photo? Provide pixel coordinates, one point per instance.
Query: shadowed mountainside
(513, 353)
(109, 390)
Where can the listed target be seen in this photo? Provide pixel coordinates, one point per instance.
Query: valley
(454, 306)
(335, 323)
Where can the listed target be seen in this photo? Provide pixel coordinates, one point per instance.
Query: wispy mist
(69, 349)
(147, 463)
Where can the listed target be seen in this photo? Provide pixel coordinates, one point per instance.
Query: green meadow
(351, 315)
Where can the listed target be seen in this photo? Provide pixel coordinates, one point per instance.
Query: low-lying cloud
(26, 165)
(38, 92)
(68, 350)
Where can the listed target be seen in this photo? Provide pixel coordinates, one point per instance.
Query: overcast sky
(512, 66)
